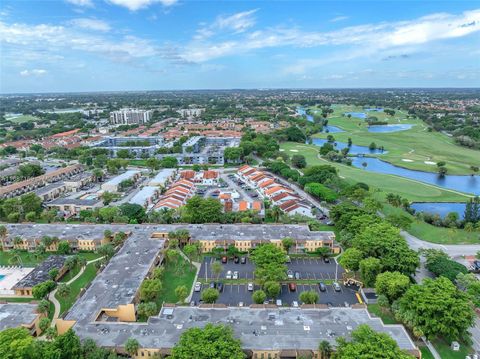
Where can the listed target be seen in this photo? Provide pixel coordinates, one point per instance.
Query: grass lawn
(22, 118)
(17, 300)
(142, 163)
(174, 277)
(385, 183)
(87, 276)
(445, 352)
(426, 354)
(387, 317)
(434, 234)
(416, 144)
(30, 260)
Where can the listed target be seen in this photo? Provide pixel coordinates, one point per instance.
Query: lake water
(354, 149)
(389, 128)
(467, 184)
(331, 129)
(440, 208)
(362, 115)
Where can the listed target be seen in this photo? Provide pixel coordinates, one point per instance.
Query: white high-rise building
(129, 116)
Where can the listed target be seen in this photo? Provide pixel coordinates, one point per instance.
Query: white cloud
(85, 3)
(236, 23)
(134, 5)
(34, 72)
(91, 24)
(339, 18)
(370, 38)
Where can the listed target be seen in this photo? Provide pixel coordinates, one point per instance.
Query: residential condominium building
(130, 116)
(114, 185)
(25, 315)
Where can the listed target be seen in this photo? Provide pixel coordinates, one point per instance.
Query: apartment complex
(137, 147)
(22, 187)
(130, 116)
(114, 185)
(278, 194)
(25, 315)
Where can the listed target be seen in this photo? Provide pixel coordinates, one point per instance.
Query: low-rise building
(68, 207)
(25, 315)
(138, 147)
(164, 177)
(146, 197)
(40, 274)
(113, 185)
(51, 191)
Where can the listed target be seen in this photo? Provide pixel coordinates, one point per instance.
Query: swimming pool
(2, 276)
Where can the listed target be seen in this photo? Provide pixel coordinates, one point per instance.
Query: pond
(354, 149)
(467, 184)
(390, 128)
(356, 114)
(331, 129)
(440, 208)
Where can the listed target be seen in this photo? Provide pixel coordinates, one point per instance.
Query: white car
(198, 287)
(228, 275)
(235, 275)
(295, 304)
(250, 287)
(279, 302)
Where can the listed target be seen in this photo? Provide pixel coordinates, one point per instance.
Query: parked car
(220, 287)
(322, 287)
(213, 285)
(279, 302)
(193, 303)
(236, 259)
(240, 304)
(235, 275)
(243, 260)
(326, 259)
(228, 275)
(295, 304)
(250, 287)
(297, 275)
(224, 259)
(198, 287)
(337, 287)
(290, 274)
(292, 287)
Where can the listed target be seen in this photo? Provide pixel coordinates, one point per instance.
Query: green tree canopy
(212, 341)
(269, 262)
(392, 284)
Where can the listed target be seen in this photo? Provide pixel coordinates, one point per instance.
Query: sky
(135, 45)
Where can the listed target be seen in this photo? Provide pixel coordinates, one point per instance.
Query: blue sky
(112, 45)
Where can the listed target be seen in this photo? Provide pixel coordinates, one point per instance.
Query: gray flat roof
(49, 187)
(119, 281)
(40, 273)
(197, 231)
(144, 194)
(74, 201)
(13, 315)
(162, 176)
(118, 179)
(257, 328)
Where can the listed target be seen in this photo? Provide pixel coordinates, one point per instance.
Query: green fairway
(410, 189)
(21, 118)
(416, 145)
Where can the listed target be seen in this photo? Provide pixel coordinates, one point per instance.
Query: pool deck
(12, 277)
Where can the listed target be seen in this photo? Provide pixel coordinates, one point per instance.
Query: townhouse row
(278, 194)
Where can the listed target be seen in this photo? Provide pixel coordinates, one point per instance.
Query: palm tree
(325, 349)
(276, 212)
(131, 346)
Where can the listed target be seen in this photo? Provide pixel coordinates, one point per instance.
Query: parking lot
(233, 294)
(308, 268)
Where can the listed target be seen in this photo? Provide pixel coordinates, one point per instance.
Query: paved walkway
(197, 265)
(51, 295)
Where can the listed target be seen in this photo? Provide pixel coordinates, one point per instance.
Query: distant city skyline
(141, 45)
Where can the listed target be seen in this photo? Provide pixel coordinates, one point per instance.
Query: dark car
(236, 259)
(326, 260)
(292, 287)
(220, 287)
(213, 285)
(322, 287)
(243, 260)
(224, 259)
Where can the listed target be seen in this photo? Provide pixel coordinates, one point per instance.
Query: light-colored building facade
(130, 116)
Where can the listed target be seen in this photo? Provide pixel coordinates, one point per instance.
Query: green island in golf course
(416, 148)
